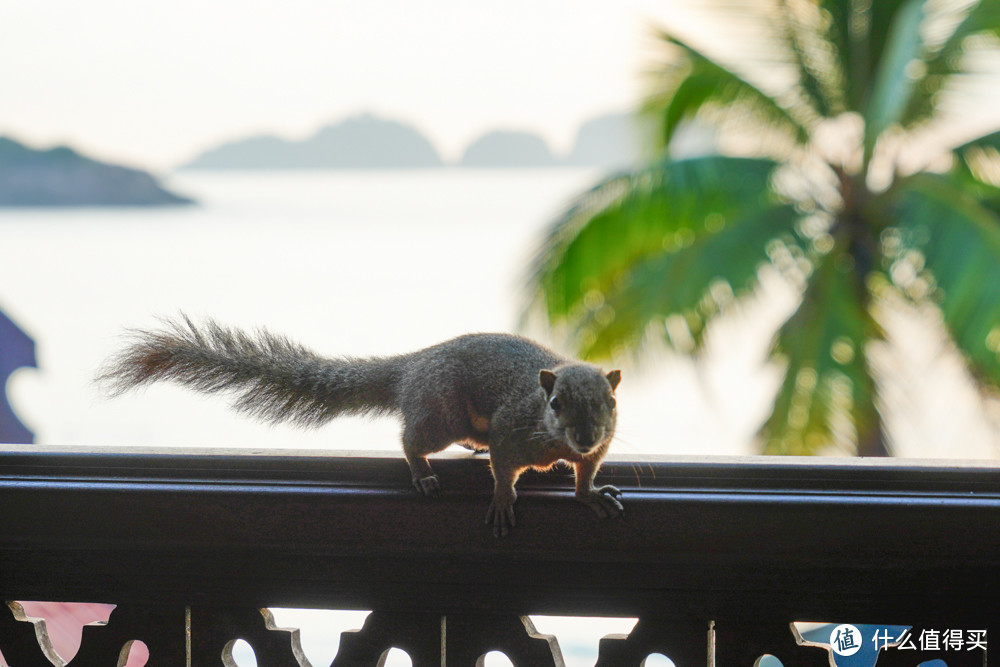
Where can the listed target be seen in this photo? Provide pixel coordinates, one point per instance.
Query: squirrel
(523, 403)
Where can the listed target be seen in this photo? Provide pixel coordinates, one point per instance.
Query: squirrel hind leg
(429, 486)
(417, 444)
(424, 479)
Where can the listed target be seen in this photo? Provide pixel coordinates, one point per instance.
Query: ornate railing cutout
(207, 635)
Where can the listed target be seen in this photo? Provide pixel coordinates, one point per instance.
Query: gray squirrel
(526, 405)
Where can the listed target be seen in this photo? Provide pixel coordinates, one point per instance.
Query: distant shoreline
(62, 178)
(369, 142)
(450, 166)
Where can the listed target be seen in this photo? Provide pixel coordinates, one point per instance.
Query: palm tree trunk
(856, 223)
(873, 443)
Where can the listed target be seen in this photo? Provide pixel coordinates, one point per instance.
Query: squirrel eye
(612, 402)
(555, 404)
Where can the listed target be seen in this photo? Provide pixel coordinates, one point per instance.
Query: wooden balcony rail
(716, 557)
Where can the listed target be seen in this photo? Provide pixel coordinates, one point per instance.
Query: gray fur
(273, 379)
(527, 405)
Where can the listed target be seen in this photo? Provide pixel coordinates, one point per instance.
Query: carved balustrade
(715, 557)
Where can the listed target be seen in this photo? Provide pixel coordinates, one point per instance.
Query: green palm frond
(874, 27)
(857, 33)
(982, 157)
(693, 82)
(826, 401)
(629, 217)
(977, 166)
(838, 31)
(809, 31)
(659, 251)
(989, 141)
(956, 240)
(946, 59)
(893, 83)
(691, 284)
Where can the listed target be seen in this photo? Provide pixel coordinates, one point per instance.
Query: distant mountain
(361, 142)
(508, 149)
(610, 141)
(62, 177)
(369, 142)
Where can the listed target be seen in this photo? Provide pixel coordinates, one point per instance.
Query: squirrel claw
(429, 486)
(604, 501)
(501, 515)
(610, 491)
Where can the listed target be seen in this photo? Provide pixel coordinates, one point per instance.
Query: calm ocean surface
(360, 263)
(350, 263)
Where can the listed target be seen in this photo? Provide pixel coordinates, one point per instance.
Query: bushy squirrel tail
(273, 378)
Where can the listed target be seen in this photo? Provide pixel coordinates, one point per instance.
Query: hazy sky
(153, 83)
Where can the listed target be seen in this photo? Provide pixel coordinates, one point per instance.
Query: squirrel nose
(584, 441)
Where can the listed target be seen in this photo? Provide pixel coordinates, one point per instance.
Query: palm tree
(823, 171)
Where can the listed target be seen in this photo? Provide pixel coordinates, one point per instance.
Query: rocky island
(62, 177)
(507, 148)
(360, 142)
(370, 142)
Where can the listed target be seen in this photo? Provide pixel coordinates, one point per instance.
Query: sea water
(350, 263)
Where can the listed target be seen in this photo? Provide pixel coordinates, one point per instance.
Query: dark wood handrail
(318, 529)
(723, 539)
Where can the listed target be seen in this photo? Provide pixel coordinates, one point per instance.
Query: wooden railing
(716, 557)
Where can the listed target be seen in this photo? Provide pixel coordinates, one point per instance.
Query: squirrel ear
(547, 379)
(614, 377)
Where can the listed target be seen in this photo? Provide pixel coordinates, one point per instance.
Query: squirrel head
(580, 404)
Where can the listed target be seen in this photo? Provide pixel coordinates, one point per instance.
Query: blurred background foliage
(832, 165)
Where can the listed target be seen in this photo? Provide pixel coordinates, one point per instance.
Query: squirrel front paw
(501, 515)
(604, 501)
(429, 486)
